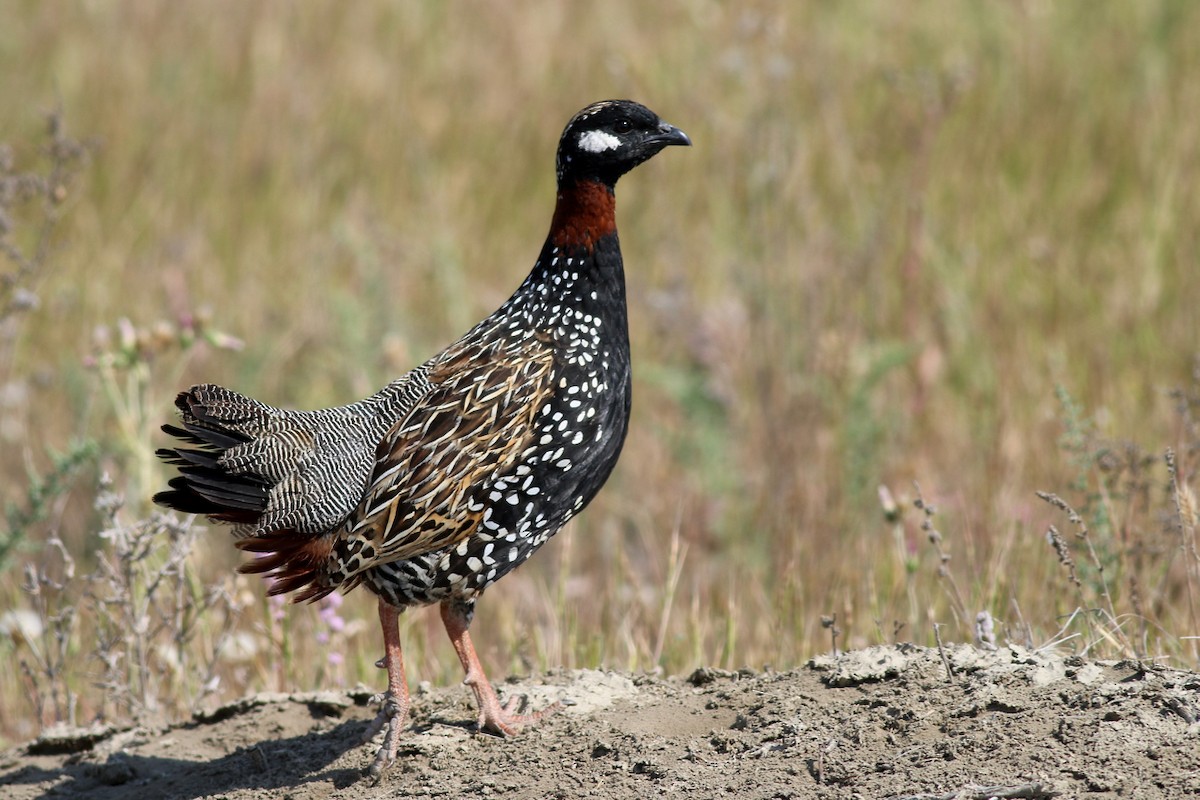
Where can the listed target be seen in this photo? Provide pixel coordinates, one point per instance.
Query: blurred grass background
(901, 228)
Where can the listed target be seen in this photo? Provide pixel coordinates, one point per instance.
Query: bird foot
(503, 720)
(392, 716)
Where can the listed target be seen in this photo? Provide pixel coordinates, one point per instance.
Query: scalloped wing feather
(431, 470)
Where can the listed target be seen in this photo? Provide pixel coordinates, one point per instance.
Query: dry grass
(900, 230)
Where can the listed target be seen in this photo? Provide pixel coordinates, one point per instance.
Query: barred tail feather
(203, 486)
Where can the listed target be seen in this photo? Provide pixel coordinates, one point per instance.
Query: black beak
(668, 135)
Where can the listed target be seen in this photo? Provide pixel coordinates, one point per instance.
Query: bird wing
(432, 471)
(434, 468)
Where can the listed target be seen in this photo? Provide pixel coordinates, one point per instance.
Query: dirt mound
(877, 723)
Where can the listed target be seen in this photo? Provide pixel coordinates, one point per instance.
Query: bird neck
(580, 266)
(579, 271)
(581, 260)
(587, 278)
(585, 213)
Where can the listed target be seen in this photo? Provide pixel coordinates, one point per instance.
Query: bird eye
(622, 126)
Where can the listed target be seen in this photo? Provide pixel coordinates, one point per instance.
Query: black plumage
(452, 475)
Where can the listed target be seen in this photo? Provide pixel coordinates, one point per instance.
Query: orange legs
(493, 716)
(394, 711)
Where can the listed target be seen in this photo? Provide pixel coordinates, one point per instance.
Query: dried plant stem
(1185, 510)
(1063, 551)
(905, 563)
(1026, 632)
(674, 572)
(67, 157)
(1083, 535)
(935, 538)
(50, 652)
(830, 622)
(937, 635)
(146, 606)
(728, 655)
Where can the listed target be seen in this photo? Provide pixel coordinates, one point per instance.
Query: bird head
(607, 139)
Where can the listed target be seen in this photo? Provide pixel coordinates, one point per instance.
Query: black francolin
(450, 476)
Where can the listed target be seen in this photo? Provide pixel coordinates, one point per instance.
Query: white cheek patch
(598, 142)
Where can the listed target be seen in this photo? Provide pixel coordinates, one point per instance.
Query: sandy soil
(878, 723)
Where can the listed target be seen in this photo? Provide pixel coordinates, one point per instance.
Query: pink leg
(493, 716)
(394, 711)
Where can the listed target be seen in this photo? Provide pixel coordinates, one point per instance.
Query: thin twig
(937, 635)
